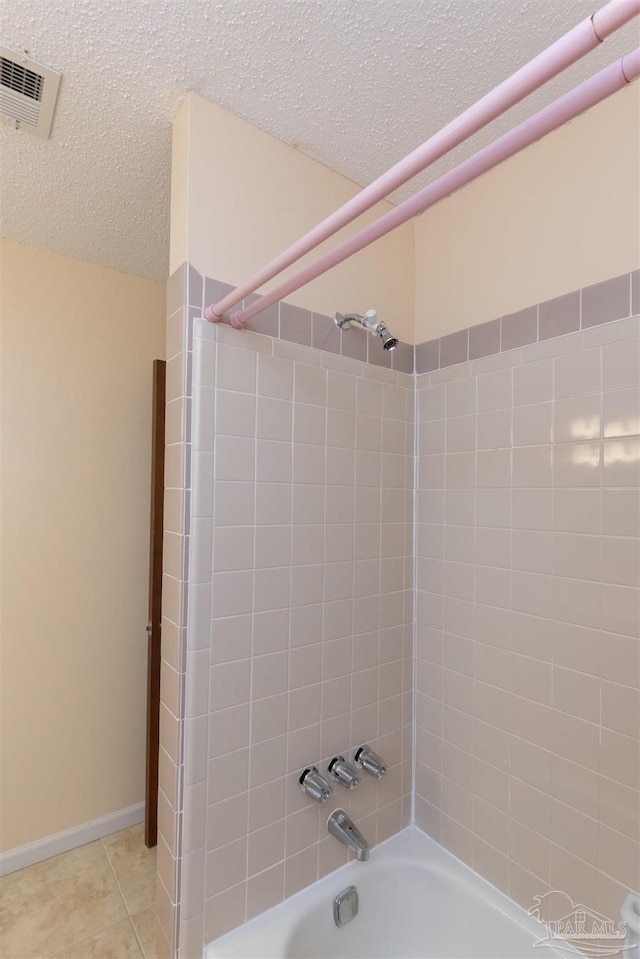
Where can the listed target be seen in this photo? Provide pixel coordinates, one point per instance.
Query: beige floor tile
(134, 866)
(144, 924)
(118, 942)
(53, 904)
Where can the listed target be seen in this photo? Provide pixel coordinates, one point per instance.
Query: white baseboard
(50, 846)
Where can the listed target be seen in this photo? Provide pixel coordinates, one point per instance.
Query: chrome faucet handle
(366, 759)
(314, 785)
(343, 772)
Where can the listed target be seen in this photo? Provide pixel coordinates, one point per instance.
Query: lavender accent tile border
(377, 356)
(518, 329)
(402, 358)
(288, 322)
(325, 335)
(295, 324)
(214, 290)
(355, 346)
(484, 339)
(266, 322)
(195, 287)
(428, 356)
(606, 301)
(600, 303)
(603, 302)
(559, 316)
(454, 348)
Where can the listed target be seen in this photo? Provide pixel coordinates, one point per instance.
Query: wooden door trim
(154, 653)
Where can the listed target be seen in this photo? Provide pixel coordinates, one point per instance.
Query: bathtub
(415, 900)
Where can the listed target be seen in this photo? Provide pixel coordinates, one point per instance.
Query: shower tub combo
(411, 899)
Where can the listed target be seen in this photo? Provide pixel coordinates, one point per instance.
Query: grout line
(415, 591)
(106, 852)
(138, 940)
(253, 614)
(119, 888)
(414, 568)
(78, 942)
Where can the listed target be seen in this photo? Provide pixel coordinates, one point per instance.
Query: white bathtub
(416, 900)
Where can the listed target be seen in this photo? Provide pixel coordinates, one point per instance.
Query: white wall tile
(513, 581)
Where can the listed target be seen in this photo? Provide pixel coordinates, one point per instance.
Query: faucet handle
(343, 772)
(314, 785)
(366, 759)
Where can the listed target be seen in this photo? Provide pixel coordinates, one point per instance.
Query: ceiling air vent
(28, 92)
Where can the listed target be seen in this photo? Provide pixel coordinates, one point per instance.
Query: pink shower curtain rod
(608, 81)
(583, 38)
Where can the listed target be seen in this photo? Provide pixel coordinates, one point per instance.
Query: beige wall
(562, 215)
(248, 196)
(240, 196)
(77, 347)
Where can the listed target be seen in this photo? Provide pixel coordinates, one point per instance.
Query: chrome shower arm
(370, 322)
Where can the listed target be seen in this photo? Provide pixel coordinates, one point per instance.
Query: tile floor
(95, 901)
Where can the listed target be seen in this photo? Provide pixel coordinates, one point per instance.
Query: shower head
(388, 342)
(370, 322)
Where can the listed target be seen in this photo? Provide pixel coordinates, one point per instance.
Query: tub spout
(340, 826)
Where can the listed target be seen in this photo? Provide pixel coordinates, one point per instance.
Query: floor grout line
(101, 924)
(93, 935)
(130, 915)
(138, 940)
(100, 931)
(118, 886)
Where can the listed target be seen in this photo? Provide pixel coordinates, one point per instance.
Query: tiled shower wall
(184, 301)
(527, 637)
(528, 669)
(300, 622)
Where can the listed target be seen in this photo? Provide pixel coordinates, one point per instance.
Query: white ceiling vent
(28, 92)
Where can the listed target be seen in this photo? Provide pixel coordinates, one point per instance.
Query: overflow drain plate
(345, 906)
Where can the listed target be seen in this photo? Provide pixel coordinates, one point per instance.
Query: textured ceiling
(353, 83)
